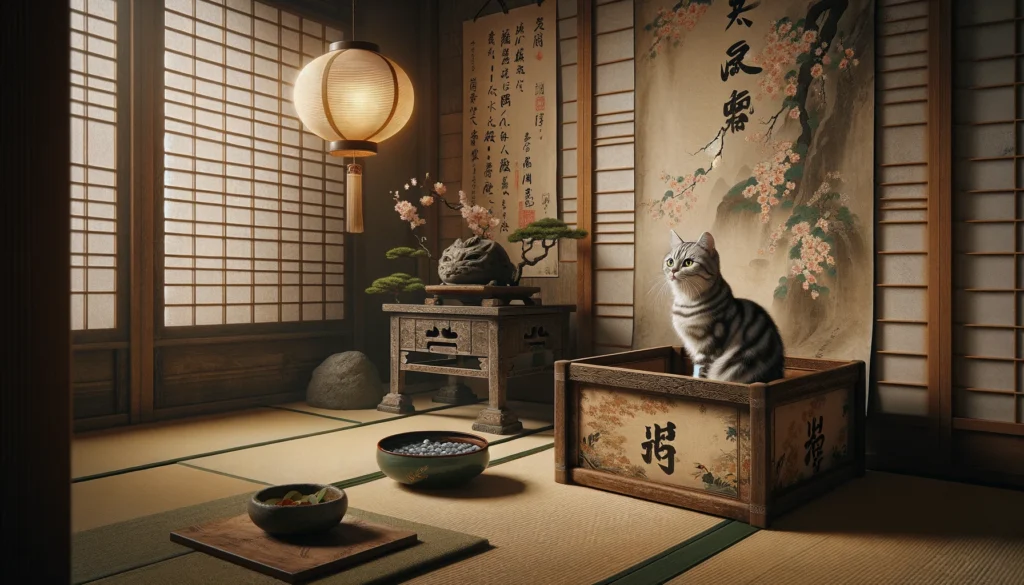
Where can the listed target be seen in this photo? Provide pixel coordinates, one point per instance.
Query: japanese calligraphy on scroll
(510, 120)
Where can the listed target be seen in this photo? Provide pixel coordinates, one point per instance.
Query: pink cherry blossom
(426, 201)
(440, 189)
(816, 70)
(794, 113)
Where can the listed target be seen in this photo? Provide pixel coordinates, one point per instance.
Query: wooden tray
(295, 559)
(481, 294)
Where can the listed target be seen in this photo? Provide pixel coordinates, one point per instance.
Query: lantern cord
(353, 20)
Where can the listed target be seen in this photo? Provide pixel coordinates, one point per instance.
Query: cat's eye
(687, 263)
(669, 262)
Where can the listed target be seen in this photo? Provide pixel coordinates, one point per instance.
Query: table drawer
(437, 336)
(539, 333)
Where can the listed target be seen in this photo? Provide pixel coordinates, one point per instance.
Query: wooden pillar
(584, 176)
(35, 393)
(940, 247)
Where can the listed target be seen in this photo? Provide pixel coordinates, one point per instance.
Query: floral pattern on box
(811, 437)
(667, 440)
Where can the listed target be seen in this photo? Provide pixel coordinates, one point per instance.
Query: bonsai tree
(547, 231)
(405, 252)
(395, 284)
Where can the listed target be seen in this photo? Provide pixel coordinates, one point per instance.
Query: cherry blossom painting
(755, 122)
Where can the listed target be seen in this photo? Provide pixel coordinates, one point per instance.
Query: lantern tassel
(354, 199)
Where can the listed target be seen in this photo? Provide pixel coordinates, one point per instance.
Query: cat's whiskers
(659, 289)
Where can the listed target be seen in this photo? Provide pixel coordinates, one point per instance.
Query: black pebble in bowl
(294, 520)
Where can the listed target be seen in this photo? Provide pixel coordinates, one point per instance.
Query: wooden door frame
(35, 395)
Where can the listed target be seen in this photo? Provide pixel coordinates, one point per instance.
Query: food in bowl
(291, 510)
(294, 498)
(436, 448)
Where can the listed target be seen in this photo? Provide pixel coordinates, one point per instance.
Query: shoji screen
(94, 165)
(250, 250)
(100, 204)
(901, 228)
(253, 205)
(613, 194)
(988, 274)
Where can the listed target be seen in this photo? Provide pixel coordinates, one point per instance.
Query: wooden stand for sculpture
(491, 343)
(482, 295)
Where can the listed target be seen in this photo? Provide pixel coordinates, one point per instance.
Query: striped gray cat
(728, 339)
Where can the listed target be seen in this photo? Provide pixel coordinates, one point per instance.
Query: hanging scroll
(510, 123)
(755, 122)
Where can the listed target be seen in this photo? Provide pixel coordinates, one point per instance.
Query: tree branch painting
(796, 59)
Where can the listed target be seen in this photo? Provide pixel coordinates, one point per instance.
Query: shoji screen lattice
(568, 26)
(988, 183)
(613, 196)
(901, 297)
(253, 207)
(94, 164)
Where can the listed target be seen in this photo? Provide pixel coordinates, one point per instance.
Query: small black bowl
(293, 520)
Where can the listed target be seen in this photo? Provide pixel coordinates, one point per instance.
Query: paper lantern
(353, 97)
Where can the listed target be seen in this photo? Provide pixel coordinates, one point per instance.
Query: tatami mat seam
(662, 554)
(686, 555)
(319, 414)
(223, 473)
(359, 480)
(172, 461)
(350, 483)
(323, 415)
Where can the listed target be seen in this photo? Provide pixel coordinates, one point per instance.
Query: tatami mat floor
(884, 528)
(126, 473)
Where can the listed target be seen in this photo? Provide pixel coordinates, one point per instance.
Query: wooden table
(496, 343)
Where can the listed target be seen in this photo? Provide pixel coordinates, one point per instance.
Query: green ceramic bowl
(432, 471)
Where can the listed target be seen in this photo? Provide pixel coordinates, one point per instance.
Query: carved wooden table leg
(395, 402)
(497, 419)
(455, 392)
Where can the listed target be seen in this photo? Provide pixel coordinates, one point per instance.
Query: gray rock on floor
(345, 381)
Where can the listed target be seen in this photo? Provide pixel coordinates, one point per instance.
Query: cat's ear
(707, 242)
(674, 239)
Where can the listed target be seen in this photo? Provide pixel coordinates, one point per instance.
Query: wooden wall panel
(99, 385)
(200, 374)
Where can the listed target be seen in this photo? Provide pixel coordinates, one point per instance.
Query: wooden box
(637, 424)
